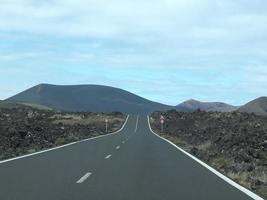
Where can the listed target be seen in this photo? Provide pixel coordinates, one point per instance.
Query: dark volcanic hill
(90, 98)
(257, 106)
(192, 105)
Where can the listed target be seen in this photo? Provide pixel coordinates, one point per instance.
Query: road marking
(86, 176)
(108, 156)
(65, 145)
(226, 179)
(123, 142)
(136, 125)
(117, 147)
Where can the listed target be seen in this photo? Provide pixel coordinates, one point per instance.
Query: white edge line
(65, 145)
(81, 180)
(228, 180)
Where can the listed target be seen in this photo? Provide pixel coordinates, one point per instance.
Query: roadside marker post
(162, 122)
(106, 121)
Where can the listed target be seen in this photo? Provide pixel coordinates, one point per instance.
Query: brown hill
(192, 105)
(257, 106)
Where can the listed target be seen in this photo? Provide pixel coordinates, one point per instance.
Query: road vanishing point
(132, 164)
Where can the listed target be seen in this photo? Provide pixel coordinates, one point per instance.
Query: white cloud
(122, 18)
(198, 36)
(175, 25)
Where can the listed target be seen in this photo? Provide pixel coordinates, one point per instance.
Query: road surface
(133, 164)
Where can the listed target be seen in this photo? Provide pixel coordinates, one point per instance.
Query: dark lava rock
(24, 129)
(237, 141)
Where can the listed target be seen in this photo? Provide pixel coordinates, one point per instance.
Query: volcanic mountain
(257, 106)
(192, 105)
(87, 98)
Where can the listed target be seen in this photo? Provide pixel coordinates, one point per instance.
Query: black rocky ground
(233, 143)
(26, 130)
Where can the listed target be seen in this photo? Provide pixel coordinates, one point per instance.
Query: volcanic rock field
(233, 143)
(25, 130)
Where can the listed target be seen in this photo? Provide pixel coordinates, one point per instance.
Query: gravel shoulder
(233, 143)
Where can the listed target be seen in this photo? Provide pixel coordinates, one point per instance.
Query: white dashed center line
(108, 156)
(81, 180)
(136, 125)
(123, 142)
(117, 147)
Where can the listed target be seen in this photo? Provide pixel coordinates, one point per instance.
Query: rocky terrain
(233, 143)
(26, 130)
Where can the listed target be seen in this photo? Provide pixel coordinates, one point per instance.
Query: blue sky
(164, 50)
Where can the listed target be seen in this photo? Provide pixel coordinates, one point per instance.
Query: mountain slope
(10, 104)
(257, 106)
(192, 105)
(91, 98)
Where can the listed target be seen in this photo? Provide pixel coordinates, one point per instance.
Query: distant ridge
(192, 105)
(257, 106)
(90, 98)
(98, 98)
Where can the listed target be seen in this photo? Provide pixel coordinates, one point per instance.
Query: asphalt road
(133, 164)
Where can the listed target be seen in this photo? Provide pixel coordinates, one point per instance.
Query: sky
(164, 50)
